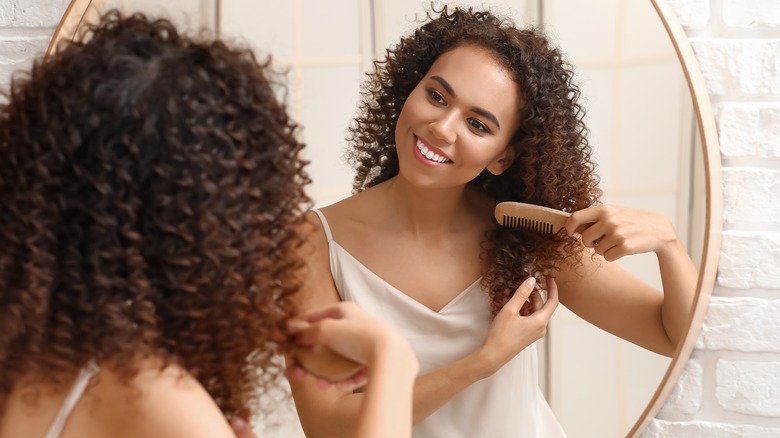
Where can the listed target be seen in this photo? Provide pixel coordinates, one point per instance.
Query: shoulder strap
(325, 225)
(76, 391)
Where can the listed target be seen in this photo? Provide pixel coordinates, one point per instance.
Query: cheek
(416, 105)
(404, 117)
(410, 111)
(482, 154)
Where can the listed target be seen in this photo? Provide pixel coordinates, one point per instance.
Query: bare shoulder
(353, 206)
(158, 402)
(360, 216)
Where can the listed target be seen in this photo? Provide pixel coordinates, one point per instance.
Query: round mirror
(651, 128)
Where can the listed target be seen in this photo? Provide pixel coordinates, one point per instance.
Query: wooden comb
(533, 217)
(320, 361)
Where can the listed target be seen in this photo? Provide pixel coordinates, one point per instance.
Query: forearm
(341, 416)
(386, 410)
(678, 277)
(434, 389)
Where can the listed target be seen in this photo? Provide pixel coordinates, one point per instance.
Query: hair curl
(150, 184)
(553, 164)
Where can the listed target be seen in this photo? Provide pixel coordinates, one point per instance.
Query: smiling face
(458, 121)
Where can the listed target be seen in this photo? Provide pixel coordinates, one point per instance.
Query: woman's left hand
(614, 232)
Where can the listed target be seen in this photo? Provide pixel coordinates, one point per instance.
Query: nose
(443, 128)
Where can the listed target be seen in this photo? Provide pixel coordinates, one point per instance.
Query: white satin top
(507, 404)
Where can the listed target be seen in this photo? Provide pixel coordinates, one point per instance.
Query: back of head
(148, 184)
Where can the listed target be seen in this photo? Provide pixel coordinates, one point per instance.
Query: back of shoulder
(158, 403)
(317, 287)
(315, 235)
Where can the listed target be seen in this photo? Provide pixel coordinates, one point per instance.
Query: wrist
(484, 363)
(394, 349)
(670, 241)
(670, 247)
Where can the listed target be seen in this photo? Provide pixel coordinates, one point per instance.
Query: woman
(466, 112)
(149, 183)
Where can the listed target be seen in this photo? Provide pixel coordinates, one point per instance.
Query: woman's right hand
(521, 322)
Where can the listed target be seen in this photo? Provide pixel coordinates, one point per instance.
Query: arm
(386, 408)
(616, 301)
(331, 412)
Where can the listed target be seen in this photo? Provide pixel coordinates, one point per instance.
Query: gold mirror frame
(75, 15)
(713, 211)
(81, 11)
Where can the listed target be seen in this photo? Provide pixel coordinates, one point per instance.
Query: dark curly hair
(150, 184)
(553, 164)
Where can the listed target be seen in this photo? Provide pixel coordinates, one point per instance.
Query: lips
(430, 155)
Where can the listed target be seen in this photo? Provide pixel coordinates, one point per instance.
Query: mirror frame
(79, 10)
(71, 21)
(713, 220)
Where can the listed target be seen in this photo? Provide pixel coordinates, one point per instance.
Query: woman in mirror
(466, 112)
(149, 186)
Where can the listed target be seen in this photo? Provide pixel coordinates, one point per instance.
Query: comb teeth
(528, 224)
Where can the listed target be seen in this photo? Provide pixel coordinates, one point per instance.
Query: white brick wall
(748, 130)
(686, 397)
(705, 429)
(751, 13)
(748, 387)
(731, 385)
(25, 29)
(739, 323)
(739, 67)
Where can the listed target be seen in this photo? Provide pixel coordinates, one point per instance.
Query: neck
(428, 211)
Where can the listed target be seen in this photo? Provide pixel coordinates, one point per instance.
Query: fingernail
(239, 424)
(295, 326)
(530, 282)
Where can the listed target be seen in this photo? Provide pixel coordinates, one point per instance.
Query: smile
(430, 155)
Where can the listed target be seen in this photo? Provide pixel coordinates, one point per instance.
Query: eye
(479, 126)
(435, 96)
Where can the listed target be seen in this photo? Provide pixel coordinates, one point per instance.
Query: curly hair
(150, 184)
(553, 165)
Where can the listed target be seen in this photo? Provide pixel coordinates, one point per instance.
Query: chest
(432, 273)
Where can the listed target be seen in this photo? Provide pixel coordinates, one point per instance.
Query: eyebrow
(481, 111)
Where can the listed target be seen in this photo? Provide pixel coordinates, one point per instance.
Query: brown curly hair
(553, 164)
(149, 186)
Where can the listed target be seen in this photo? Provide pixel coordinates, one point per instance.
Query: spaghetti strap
(76, 391)
(325, 225)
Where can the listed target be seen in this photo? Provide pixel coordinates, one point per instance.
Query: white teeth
(429, 154)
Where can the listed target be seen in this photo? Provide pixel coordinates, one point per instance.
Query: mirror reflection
(641, 127)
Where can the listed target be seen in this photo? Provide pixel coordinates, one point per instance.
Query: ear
(503, 161)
